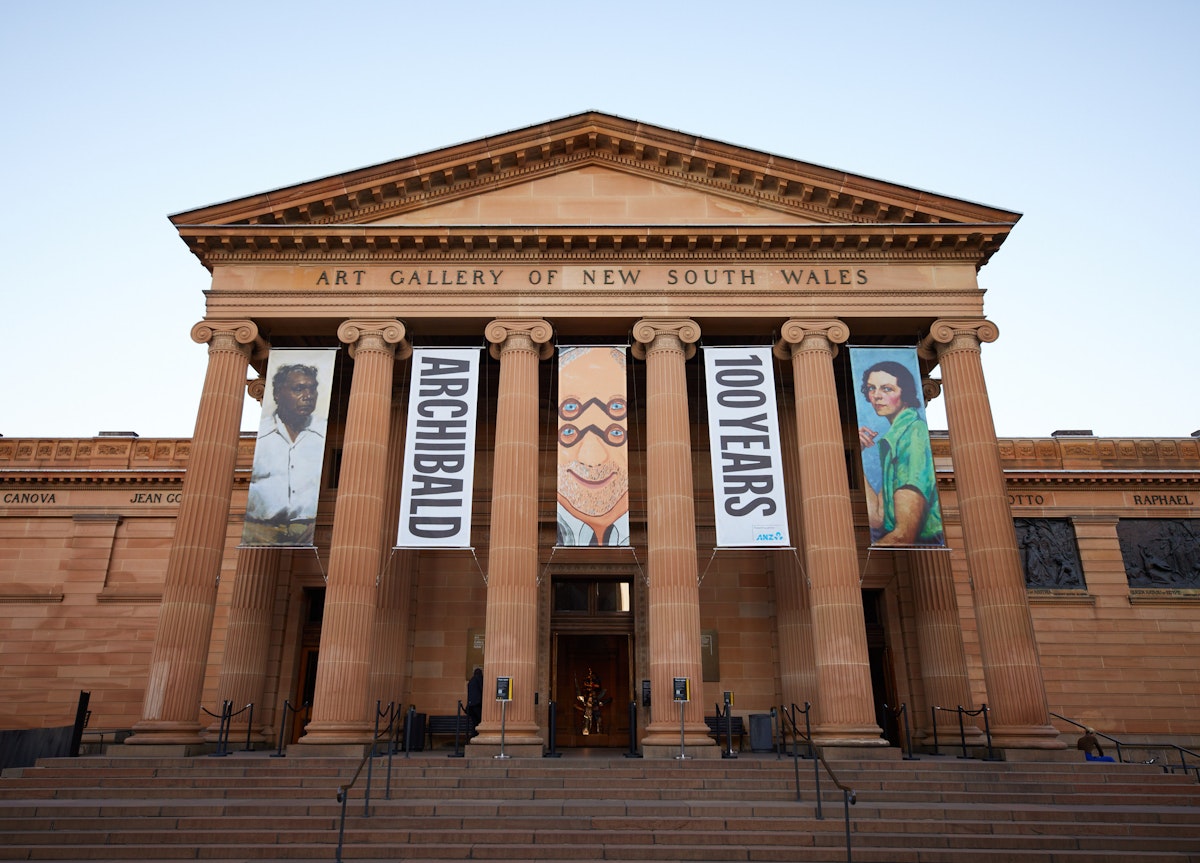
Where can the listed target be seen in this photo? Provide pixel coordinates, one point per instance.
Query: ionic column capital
(228, 335)
(679, 334)
(382, 335)
(969, 334)
(532, 334)
(800, 335)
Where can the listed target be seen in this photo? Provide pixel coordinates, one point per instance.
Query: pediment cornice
(798, 191)
(296, 244)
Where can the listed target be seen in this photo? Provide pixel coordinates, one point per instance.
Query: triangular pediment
(596, 195)
(642, 184)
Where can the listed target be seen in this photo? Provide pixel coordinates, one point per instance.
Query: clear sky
(1082, 116)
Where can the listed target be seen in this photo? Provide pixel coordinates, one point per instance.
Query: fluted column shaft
(340, 709)
(1011, 667)
(674, 595)
(389, 651)
(845, 712)
(510, 622)
(174, 688)
(939, 638)
(248, 637)
(797, 663)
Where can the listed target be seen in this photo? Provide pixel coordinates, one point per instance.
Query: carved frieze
(1049, 554)
(1160, 552)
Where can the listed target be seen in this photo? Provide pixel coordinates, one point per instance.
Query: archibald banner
(593, 458)
(902, 498)
(439, 449)
(747, 464)
(285, 479)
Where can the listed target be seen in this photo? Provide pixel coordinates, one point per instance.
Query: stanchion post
(553, 723)
(633, 753)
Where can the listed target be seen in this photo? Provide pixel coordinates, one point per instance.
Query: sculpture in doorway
(590, 701)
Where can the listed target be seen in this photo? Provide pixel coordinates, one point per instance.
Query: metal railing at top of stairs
(390, 733)
(849, 798)
(1167, 764)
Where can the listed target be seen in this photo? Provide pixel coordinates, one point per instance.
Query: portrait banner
(747, 461)
(289, 453)
(439, 449)
(593, 458)
(901, 484)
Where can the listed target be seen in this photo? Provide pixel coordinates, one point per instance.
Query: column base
(489, 748)
(1026, 737)
(849, 735)
(146, 749)
(327, 750)
(700, 750)
(160, 732)
(337, 733)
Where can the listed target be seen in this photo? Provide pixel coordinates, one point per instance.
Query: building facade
(1068, 583)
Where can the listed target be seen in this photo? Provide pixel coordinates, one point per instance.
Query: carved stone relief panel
(1160, 552)
(1049, 554)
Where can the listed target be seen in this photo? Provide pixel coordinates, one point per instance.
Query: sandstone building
(1070, 583)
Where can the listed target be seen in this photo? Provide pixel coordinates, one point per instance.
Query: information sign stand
(503, 695)
(682, 693)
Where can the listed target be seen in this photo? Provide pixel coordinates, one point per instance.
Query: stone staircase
(250, 806)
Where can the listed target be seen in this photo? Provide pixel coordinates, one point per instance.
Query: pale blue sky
(1081, 115)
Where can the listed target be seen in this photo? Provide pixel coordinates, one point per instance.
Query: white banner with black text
(747, 463)
(439, 449)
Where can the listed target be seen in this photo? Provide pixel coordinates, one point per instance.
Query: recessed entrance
(592, 650)
(591, 690)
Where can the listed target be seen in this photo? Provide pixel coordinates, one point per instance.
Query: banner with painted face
(285, 479)
(593, 456)
(439, 449)
(901, 484)
(747, 464)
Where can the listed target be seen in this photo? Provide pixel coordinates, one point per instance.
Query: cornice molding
(793, 243)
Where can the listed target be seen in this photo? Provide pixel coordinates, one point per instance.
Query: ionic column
(940, 642)
(390, 637)
(844, 709)
(510, 649)
(175, 684)
(797, 663)
(248, 640)
(1011, 668)
(340, 710)
(674, 595)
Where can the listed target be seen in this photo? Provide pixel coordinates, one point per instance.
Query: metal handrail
(1121, 746)
(343, 791)
(849, 798)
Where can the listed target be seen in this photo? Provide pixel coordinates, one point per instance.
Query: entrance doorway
(591, 690)
(592, 627)
(306, 678)
(883, 678)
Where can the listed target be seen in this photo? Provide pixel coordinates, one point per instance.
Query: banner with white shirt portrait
(593, 458)
(901, 485)
(289, 453)
(439, 449)
(747, 462)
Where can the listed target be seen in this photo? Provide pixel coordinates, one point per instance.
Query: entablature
(945, 243)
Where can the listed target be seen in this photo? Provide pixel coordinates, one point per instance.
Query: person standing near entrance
(475, 701)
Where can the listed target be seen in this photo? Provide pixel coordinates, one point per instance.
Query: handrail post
(393, 724)
(408, 727)
(846, 810)
(907, 734)
(552, 721)
(282, 728)
(962, 732)
(987, 731)
(459, 715)
(633, 753)
(342, 794)
(249, 727)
